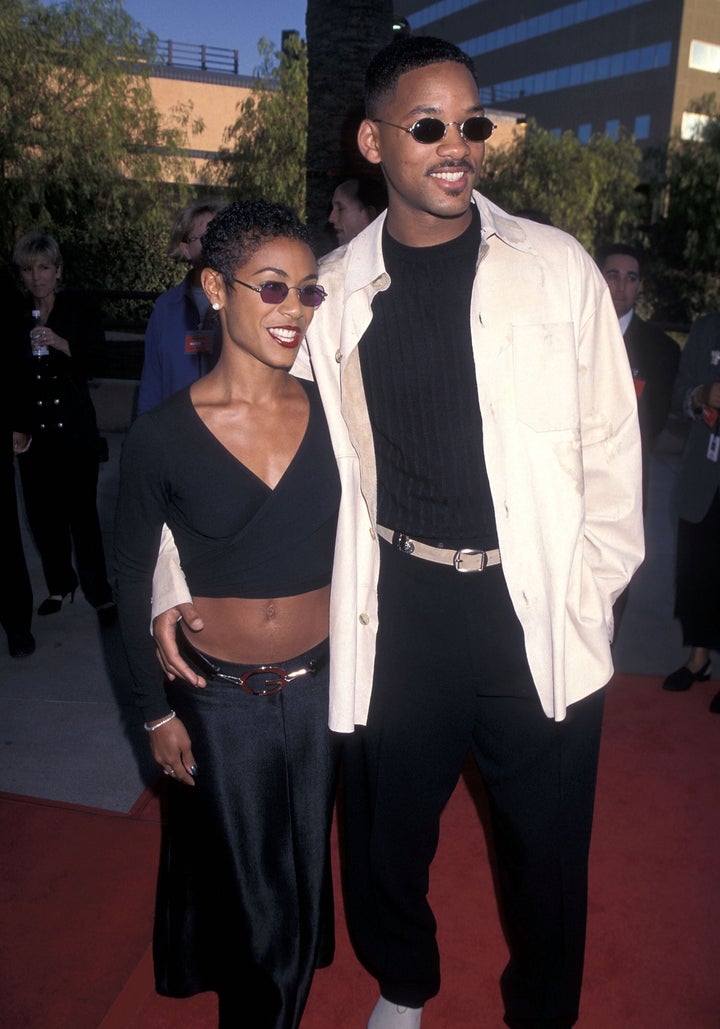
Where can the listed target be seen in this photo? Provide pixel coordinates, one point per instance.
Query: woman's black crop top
(236, 536)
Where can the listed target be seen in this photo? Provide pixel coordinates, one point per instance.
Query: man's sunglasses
(276, 292)
(432, 130)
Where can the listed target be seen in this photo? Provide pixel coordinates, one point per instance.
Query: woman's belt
(259, 680)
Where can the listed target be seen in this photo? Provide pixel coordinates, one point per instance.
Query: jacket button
(364, 619)
(338, 357)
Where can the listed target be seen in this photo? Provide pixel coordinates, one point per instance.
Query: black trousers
(60, 491)
(697, 598)
(16, 599)
(451, 674)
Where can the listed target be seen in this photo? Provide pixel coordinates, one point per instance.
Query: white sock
(387, 1015)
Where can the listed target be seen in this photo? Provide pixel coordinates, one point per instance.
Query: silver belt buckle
(467, 552)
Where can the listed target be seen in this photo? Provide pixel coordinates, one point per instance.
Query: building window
(612, 128)
(704, 56)
(692, 125)
(585, 132)
(542, 24)
(628, 62)
(642, 127)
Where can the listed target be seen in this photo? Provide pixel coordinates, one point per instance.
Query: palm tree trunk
(342, 36)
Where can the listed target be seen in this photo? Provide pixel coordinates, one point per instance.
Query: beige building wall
(216, 104)
(206, 99)
(701, 21)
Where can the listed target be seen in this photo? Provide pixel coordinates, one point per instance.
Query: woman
(59, 470)
(697, 565)
(181, 341)
(244, 902)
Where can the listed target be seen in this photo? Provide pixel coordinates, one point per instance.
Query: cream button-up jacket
(562, 448)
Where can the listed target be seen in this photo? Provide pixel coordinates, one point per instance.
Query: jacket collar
(367, 269)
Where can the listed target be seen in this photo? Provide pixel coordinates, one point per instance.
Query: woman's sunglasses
(276, 292)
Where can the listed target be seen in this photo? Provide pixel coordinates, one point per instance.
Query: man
(653, 356)
(485, 426)
(355, 203)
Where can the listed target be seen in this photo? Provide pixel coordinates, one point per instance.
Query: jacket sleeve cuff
(169, 586)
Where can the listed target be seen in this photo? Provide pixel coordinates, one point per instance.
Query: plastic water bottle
(38, 347)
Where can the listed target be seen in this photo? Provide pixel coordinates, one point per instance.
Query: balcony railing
(198, 56)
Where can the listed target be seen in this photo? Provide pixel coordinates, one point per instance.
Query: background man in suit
(653, 355)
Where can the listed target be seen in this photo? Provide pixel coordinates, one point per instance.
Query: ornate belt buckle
(403, 543)
(271, 686)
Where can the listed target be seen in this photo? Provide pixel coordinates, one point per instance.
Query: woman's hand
(171, 748)
(46, 337)
(713, 395)
(708, 394)
(21, 442)
(164, 629)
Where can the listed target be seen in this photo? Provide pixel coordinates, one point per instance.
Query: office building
(589, 66)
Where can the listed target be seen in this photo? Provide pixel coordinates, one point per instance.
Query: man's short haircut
(369, 190)
(627, 250)
(404, 54)
(184, 222)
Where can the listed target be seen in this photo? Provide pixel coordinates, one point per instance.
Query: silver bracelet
(152, 728)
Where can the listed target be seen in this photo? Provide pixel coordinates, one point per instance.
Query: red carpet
(76, 888)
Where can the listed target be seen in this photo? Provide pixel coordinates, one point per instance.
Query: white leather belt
(465, 560)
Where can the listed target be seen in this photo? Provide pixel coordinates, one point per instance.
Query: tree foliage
(82, 146)
(589, 190)
(685, 238)
(264, 151)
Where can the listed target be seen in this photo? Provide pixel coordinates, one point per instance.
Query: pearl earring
(215, 306)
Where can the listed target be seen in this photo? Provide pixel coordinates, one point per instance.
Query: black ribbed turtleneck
(419, 377)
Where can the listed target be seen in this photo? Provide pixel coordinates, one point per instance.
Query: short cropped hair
(184, 222)
(406, 53)
(370, 191)
(240, 229)
(627, 250)
(34, 245)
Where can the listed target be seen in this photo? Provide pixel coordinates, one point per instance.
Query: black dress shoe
(715, 704)
(21, 644)
(682, 678)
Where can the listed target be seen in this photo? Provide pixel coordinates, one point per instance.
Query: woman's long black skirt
(244, 901)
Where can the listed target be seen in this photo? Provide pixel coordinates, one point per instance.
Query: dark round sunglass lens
(428, 130)
(273, 292)
(477, 129)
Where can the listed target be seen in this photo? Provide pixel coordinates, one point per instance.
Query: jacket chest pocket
(545, 372)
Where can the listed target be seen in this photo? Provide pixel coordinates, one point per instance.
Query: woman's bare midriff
(261, 631)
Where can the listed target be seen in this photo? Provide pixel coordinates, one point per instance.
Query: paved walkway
(69, 730)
